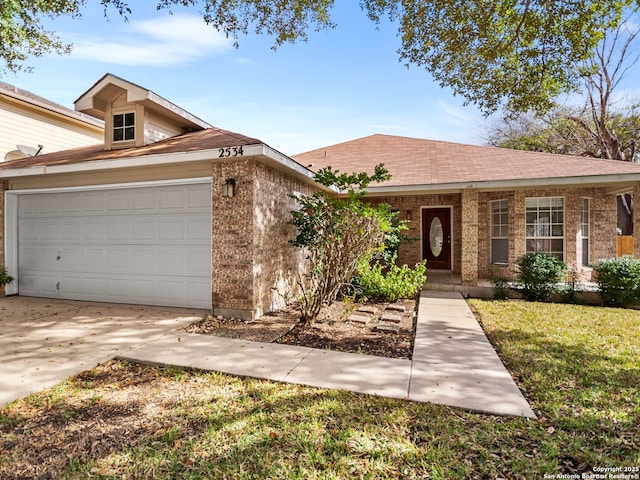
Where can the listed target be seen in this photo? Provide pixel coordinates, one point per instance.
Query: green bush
(391, 282)
(539, 275)
(500, 284)
(619, 281)
(5, 279)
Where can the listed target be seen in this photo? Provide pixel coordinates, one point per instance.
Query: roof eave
(266, 154)
(619, 182)
(78, 118)
(94, 100)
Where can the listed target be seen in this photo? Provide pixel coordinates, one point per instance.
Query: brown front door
(436, 237)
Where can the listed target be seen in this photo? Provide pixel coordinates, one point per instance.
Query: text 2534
(230, 152)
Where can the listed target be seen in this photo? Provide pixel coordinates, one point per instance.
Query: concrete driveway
(44, 341)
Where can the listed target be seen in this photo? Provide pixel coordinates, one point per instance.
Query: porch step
(479, 291)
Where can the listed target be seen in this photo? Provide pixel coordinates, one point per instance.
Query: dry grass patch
(579, 366)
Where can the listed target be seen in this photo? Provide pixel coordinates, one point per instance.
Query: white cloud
(453, 114)
(170, 40)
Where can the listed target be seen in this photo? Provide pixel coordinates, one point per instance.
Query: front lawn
(578, 366)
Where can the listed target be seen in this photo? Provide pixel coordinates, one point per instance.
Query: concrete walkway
(453, 362)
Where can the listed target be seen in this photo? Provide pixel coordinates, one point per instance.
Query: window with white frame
(585, 217)
(124, 127)
(500, 232)
(545, 225)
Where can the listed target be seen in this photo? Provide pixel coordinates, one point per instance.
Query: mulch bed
(332, 330)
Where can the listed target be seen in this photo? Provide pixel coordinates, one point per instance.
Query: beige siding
(2, 252)
(157, 128)
(23, 126)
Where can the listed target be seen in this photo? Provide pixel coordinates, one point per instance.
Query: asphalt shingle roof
(414, 161)
(210, 138)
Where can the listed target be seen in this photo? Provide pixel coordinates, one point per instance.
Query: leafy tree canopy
(567, 131)
(492, 53)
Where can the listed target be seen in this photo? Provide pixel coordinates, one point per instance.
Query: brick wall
(470, 239)
(484, 230)
(465, 222)
(232, 239)
(636, 222)
(602, 222)
(276, 263)
(255, 270)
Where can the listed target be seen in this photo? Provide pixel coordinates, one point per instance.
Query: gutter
(496, 185)
(266, 154)
(281, 161)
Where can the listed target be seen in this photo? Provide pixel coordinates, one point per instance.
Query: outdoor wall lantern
(409, 215)
(229, 187)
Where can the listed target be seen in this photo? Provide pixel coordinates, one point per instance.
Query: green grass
(578, 366)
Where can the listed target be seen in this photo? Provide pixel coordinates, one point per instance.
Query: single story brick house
(170, 210)
(472, 207)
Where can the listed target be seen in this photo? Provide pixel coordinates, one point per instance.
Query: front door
(436, 237)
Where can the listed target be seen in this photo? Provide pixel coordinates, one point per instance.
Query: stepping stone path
(362, 319)
(396, 308)
(390, 319)
(388, 327)
(368, 309)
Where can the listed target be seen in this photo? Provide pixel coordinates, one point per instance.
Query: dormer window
(124, 127)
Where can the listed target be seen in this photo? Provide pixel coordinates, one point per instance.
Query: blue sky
(342, 84)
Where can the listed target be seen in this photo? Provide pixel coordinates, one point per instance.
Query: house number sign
(230, 152)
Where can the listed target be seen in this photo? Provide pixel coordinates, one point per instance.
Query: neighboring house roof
(11, 91)
(417, 164)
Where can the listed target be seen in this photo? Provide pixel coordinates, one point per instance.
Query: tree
(558, 131)
(336, 233)
(22, 35)
(598, 129)
(516, 52)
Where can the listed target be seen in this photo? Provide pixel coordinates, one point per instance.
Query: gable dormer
(134, 116)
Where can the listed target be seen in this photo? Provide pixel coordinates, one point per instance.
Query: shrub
(389, 283)
(619, 281)
(570, 290)
(335, 232)
(500, 284)
(5, 279)
(539, 275)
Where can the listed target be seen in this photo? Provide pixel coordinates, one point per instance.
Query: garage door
(148, 245)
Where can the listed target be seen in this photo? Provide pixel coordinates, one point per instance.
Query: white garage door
(149, 245)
